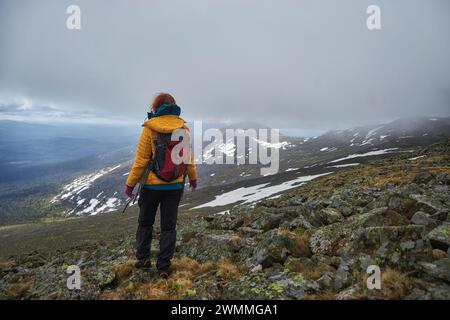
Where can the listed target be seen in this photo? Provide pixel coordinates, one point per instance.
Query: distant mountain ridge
(335, 149)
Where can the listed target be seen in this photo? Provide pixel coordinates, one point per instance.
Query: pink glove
(193, 184)
(129, 191)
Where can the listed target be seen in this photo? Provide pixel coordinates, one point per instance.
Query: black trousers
(168, 201)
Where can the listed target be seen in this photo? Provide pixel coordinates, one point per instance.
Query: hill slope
(101, 191)
(315, 241)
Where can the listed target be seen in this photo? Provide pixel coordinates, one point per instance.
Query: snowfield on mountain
(332, 148)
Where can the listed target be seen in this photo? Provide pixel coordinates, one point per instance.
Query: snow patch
(82, 183)
(257, 192)
(223, 212)
(415, 158)
(367, 154)
(283, 144)
(370, 136)
(345, 165)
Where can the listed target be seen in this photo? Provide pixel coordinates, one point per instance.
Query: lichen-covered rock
(102, 278)
(326, 281)
(352, 293)
(267, 221)
(439, 269)
(440, 237)
(426, 203)
(423, 177)
(271, 250)
(422, 218)
(276, 246)
(209, 246)
(342, 206)
(395, 245)
(263, 286)
(331, 239)
(328, 216)
(300, 222)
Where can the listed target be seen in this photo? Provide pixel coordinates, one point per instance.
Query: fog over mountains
(297, 64)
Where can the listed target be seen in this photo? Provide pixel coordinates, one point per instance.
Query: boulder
(352, 293)
(342, 206)
(396, 245)
(270, 251)
(439, 269)
(209, 246)
(326, 281)
(280, 285)
(439, 254)
(422, 218)
(300, 222)
(440, 237)
(267, 221)
(426, 203)
(225, 221)
(423, 177)
(440, 216)
(332, 239)
(328, 216)
(276, 246)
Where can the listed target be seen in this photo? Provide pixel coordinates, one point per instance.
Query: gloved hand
(193, 184)
(129, 191)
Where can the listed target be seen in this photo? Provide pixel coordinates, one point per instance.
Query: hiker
(163, 182)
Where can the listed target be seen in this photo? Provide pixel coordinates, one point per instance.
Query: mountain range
(100, 191)
(311, 234)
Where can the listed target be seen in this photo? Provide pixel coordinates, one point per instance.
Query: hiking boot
(164, 274)
(143, 263)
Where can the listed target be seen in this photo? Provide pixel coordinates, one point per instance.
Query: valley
(313, 241)
(101, 191)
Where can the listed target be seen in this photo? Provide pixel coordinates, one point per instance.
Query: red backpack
(162, 164)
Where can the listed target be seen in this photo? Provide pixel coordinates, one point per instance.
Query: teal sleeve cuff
(169, 186)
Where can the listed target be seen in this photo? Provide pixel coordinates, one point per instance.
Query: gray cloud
(16, 108)
(25, 109)
(293, 64)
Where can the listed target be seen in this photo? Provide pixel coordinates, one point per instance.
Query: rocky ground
(314, 242)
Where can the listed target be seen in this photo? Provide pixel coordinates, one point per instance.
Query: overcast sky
(290, 64)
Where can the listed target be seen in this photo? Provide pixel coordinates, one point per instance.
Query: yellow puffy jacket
(146, 149)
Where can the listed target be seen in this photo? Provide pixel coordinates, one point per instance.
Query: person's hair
(162, 98)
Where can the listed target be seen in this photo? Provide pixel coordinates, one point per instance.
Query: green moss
(300, 230)
(256, 290)
(275, 286)
(175, 287)
(445, 231)
(356, 276)
(298, 277)
(259, 277)
(191, 292)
